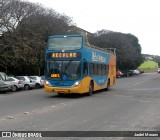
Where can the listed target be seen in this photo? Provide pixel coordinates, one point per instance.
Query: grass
(148, 65)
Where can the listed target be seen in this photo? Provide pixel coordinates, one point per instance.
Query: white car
(135, 72)
(27, 82)
(18, 84)
(39, 82)
(4, 84)
(158, 70)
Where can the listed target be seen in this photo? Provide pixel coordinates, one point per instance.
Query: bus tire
(90, 89)
(108, 86)
(60, 94)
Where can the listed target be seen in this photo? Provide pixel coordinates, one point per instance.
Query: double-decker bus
(74, 66)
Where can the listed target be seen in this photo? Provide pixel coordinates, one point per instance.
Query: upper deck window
(65, 43)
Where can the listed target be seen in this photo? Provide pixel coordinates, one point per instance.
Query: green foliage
(128, 49)
(24, 32)
(148, 65)
(155, 58)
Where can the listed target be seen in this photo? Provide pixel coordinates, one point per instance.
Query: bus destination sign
(66, 55)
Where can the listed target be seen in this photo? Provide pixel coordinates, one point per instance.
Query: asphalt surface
(133, 104)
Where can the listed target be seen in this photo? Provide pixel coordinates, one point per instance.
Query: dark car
(141, 71)
(127, 73)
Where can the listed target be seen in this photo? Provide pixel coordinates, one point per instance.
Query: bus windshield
(63, 70)
(65, 43)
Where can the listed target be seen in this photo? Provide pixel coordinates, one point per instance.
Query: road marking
(53, 106)
(35, 111)
(143, 101)
(10, 117)
(138, 83)
(26, 113)
(124, 95)
(143, 81)
(63, 104)
(145, 89)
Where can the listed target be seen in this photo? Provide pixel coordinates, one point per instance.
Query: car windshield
(66, 43)
(20, 78)
(42, 77)
(34, 78)
(10, 79)
(3, 76)
(63, 70)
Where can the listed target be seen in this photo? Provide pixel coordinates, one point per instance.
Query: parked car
(27, 82)
(158, 70)
(5, 85)
(39, 82)
(119, 74)
(43, 78)
(135, 72)
(141, 71)
(127, 73)
(17, 84)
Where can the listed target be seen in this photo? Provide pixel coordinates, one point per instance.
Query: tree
(128, 49)
(24, 31)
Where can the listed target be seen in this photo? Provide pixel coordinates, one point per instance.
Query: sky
(138, 17)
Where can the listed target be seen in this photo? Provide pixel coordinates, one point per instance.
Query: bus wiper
(66, 67)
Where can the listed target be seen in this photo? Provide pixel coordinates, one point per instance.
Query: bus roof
(65, 35)
(107, 50)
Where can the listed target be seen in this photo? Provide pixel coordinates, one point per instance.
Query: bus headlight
(48, 83)
(76, 84)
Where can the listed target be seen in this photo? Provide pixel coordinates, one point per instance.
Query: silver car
(27, 82)
(18, 84)
(39, 82)
(4, 84)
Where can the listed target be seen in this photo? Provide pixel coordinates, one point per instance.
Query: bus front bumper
(63, 90)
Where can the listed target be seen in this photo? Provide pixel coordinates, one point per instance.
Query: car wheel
(14, 88)
(37, 85)
(26, 87)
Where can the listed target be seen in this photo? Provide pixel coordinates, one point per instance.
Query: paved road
(132, 104)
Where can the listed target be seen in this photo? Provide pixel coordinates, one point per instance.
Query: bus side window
(85, 69)
(95, 69)
(91, 69)
(107, 69)
(99, 69)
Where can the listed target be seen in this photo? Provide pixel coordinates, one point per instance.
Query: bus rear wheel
(108, 86)
(90, 89)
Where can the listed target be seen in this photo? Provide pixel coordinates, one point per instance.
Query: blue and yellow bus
(74, 66)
